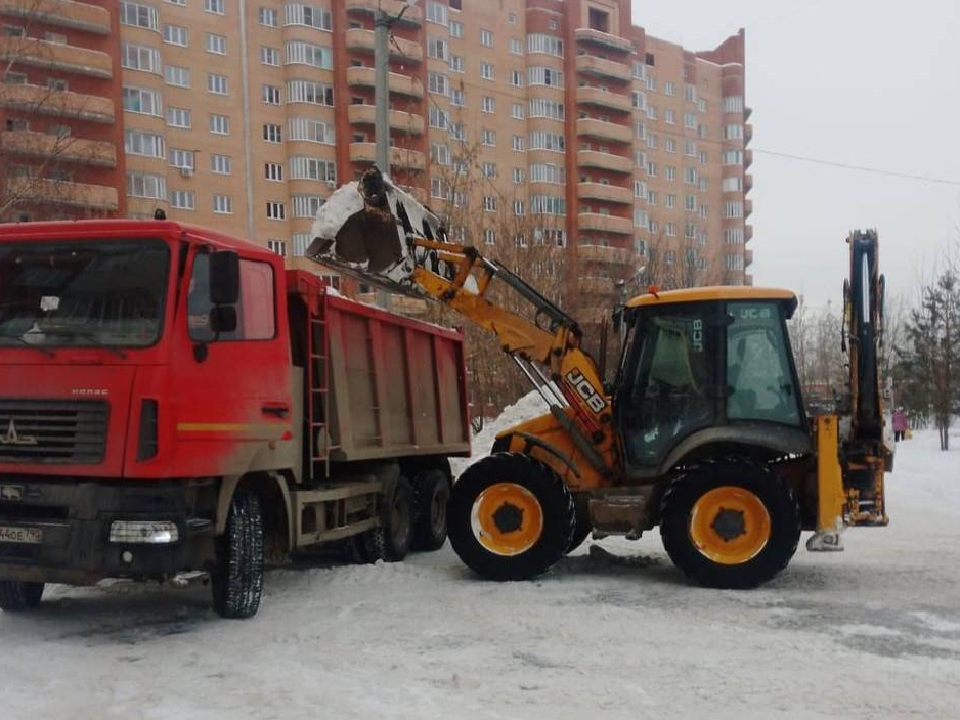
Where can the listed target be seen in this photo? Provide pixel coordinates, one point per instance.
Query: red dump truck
(171, 399)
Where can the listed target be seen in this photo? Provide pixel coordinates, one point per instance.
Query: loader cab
(705, 368)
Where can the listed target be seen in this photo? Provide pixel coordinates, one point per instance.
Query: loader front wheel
(730, 524)
(510, 517)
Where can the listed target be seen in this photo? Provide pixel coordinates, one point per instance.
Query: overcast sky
(862, 82)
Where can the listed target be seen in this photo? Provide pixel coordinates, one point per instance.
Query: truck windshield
(82, 293)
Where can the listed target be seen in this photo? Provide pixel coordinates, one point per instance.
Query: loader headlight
(151, 532)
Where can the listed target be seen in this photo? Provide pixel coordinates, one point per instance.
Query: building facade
(607, 141)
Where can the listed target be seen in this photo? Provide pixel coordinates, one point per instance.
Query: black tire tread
(17, 596)
(425, 485)
(238, 581)
(377, 544)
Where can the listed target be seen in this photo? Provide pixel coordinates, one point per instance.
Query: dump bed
(376, 385)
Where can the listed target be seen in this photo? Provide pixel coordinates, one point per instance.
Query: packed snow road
(613, 632)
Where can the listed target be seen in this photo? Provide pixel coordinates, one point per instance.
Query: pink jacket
(899, 421)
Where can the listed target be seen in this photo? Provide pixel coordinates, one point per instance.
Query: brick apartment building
(245, 115)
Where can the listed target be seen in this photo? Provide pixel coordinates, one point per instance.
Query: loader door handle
(279, 409)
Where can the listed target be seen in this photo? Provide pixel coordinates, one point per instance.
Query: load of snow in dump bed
(529, 406)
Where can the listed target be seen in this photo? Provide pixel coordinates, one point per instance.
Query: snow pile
(529, 406)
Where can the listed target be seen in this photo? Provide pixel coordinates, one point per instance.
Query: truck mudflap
(80, 532)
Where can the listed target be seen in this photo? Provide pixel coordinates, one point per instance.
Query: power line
(848, 166)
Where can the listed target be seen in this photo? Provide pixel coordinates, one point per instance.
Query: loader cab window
(256, 309)
(666, 393)
(759, 375)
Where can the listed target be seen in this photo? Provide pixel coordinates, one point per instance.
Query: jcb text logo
(589, 393)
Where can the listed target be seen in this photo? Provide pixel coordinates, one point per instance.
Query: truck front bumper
(56, 530)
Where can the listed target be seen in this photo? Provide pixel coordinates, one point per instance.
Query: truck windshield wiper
(85, 335)
(23, 341)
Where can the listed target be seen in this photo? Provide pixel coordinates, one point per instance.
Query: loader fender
(527, 442)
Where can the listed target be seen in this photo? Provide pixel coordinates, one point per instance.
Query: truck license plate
(33, 536)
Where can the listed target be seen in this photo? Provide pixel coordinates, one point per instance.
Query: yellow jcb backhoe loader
(703, 432)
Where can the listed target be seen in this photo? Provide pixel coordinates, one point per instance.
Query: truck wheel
(582, 526)
(238, 579)
(730, 524)
(16, 596)
(510, 517)
(431, 491)
(391, 541)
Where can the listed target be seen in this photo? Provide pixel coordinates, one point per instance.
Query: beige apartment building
(614, 144)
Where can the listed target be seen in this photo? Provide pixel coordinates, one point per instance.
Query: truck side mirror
(225, 279)
(223, 319)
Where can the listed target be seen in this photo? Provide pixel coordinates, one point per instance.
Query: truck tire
(16, 596)
(391, 541)
(582, 526)
(431, 491)
(510, 517)
(237, 581)
(730, 524)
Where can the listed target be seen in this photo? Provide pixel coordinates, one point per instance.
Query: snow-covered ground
(612, 632)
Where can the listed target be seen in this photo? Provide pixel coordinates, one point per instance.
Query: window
(670, 230)
(701, 107)
(732, 184)
(518, 143)
(489, 169)
(301, 241)
(178, 117)
(439, 188)
(272, 133)
(516, 47)
(456, 29)
(689, 148)
(221, 164)
(598, 19)
(488, 104)
(457, 64)
(540, 107)
(639, 70)
(638, 100)
(690, 175)
(213, 6)
(181, 158)
(689, 92)
(733, 209)
(219, 124)
(436, 12)
(179, 76)
(268, 17)
(457, 98)
(651, 169)
(182, 199)
(670, 145)
(548, 173)
(307, 91)
(269, 56)
(217, 84)
(276, 210)
(670, 201)
(733, 104)
(440, 153)
(545, 44)
(216, 44)
(733, 237)
(437, 48)
(137, 15)
(538, 75)
(298, 52)
(486, 38)
(458, 131)
(651, 83)
(438, 118)
(273, 171)
(222, 204)
(310, 168)
(488, 138)
(640, 189)
(134, 57)
(516, 111)
(254, 309)
(489, 203)
(270, 94)
(146, 185)
(490, 236)
(175, 35)
(670, 173)
(651, 197)
(669, 88)
(312, 130)
(486, 71)
(547, 141)
(277, 246)
(690, 203)
(641, 218)
(669, 117)
(516, 78)
(309, 15)
(703, 211)
(518, 209)
(142, 101)
(547, 205)
(438, 84)
(733, 132)
(732, 157)
(518, 176)
(651, 112)
(651, 140)
(306, 205)
(147, 144)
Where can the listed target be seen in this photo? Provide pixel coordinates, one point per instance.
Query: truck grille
(52, 431)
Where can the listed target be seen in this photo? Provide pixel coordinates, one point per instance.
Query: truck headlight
(151, 532)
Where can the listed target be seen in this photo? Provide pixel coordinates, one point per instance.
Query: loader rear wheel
(16, 596)
(391, 541)
(583, 526)
(510, 517)
(730, 524)
(431, 491)
(237, 581)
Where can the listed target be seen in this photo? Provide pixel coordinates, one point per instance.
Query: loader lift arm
(358, 232)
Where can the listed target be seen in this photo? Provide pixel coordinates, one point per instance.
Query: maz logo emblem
(11, 437)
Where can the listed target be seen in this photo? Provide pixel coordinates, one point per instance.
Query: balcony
(598, 38)
(747, 133)
(747, 233)
(61, 13)
(747, 112)
(604, 99)
(412, 17)
(66, 149)
(399, 157)
(604, 254)
(43, 100)
(599, 191)
(605, 161)
(399, 84)
(399, 120)
(593, 285)
(747, 208)
(748, 279)
(599, 67)
(41, 53)
(747, 158)
(747, 258)
(362, 41)
(599, 222)
(603, 130)
(747, 183)
(96, 197)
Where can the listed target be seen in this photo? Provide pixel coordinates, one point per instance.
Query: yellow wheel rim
(729, 525)
(506, 519)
